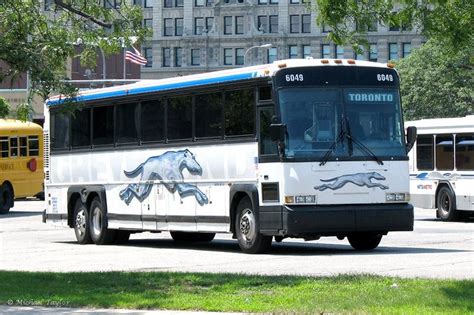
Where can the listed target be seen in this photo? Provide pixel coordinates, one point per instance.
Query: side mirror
(411, 137)
(277, 132)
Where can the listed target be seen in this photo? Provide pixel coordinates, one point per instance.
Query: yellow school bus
(21, 161)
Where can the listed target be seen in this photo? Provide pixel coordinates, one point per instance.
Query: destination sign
(370, 97)
(337, 76)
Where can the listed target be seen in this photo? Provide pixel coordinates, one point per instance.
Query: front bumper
(329, 220)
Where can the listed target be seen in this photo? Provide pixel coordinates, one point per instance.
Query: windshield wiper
(362, 146)
(339, 138)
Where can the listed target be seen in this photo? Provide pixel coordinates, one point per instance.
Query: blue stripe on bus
(156, 88)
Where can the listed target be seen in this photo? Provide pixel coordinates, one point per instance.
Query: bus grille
(46, 154)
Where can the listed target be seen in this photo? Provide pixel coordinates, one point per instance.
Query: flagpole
(124, 64)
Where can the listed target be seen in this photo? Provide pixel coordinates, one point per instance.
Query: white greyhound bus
(442, 166)
(297, 148)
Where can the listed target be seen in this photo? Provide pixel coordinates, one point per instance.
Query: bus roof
(442, 125)
(12, 124)
(216, 77)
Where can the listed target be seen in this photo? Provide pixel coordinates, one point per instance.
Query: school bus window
(33, 145)
(4, 147)
(13, 147)
(23, 146)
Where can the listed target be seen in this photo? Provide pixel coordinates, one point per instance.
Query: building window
(326, 29)
(227, 25)
(373, 54)
(148, 23)
(179, 3)
(293, 51)
(147, 3)
(227, 56)
(360, 55)
(325, 51)
(168, 27)
(168, 3)
(370, 27)
(209, 22)
(178, 56)
(294, 23)
(262, 22)
(393, 51)
(198, 25)
(306, 23)
(294, 1)
(339, 52)
(271, 54)
(199, 3)
(239, 25)
(273, 1)
(306, 51)
(273, 23)
(262, 1)
(166, 57)
(148, 54)
(239, 56)
(406, 49)
(195, 57)
(178, 24)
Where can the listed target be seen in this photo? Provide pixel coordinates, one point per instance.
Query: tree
(437, 82)
(447, 21)
(40, 43)
(4, 107)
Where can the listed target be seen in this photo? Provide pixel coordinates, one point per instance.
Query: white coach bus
(442, 166)
(297, 148)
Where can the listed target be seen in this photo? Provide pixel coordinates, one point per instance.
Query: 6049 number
(294, 78)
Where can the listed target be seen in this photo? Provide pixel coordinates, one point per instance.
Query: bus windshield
(320, 119)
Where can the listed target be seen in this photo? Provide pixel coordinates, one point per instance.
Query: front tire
(81, 223)
(100, 234)
(247, 230)
(446, 204)
(6, 199)
(364, 241)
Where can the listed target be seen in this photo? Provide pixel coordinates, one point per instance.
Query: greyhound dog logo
(168, 169)
(359, 179)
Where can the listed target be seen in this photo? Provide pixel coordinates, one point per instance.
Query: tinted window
(239, 112)
(444, 152)
(103, 125)
(127, 122)
(465, 152)
(424, 152)
(59, 131)
(208, 110)
(180, 118)
(267, 146)
(81, 128)
(153, 114)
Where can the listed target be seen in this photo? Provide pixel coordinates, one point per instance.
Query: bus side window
(465, 152)
(13, 147)
(33, 146)
(424, 152)
(23, 146)
(4, 148)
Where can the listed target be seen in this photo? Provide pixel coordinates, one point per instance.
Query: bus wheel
(192, 237)
(6, 199)
(364, 241)
(247, 230)
(81, 223)
(100, 234)
(446, 205)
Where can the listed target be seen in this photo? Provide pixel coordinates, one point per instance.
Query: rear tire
(364, 241)
(81, 223)
(446, 202)
(100, 234)
(6, 199)
(192, 236)
(247, 230)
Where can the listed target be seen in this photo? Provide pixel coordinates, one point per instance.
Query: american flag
(135, 57)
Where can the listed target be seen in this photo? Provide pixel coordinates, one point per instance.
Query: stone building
(192, 36)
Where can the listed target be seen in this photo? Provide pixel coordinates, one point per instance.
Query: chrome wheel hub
(81, 222)
(247, 225)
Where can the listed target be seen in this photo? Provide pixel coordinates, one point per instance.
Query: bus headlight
(397, 197)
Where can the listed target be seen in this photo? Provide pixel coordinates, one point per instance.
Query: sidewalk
(6, 309)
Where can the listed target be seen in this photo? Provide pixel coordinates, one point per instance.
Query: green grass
(239, 293)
